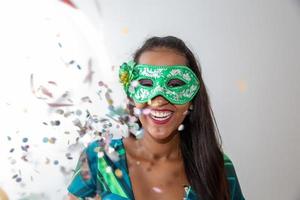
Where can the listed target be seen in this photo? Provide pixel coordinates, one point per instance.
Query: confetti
(242, 85)
(100, 154)
(15, 176)
(25, 148)
(78, 112)
(68, 156)
(59, 104)
(146, 111)
(52, 140)
(118, 173)
(60, 111)
(134, 84)
(18, 179)
(89, 77)
(25, 140)
(45, 91)
(86, 99)
(55, 162)
(157, 189)
(45, 140)
(108, 169)
(55, 123)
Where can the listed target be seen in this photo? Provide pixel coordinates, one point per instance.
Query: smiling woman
(179, 155)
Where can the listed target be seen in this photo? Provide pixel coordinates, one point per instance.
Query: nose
(158, 101)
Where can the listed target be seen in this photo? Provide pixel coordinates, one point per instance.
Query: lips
(160, 116)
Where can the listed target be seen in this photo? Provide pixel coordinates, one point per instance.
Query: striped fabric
(110, 179)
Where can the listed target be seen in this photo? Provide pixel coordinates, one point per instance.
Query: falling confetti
(242, 85)
(157, 189)
(124, 30)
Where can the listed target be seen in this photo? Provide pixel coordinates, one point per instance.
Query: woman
(179, 155)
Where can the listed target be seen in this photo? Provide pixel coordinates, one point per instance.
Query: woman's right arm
(84, 180)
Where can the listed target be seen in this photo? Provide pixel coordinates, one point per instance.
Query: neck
(153, 149)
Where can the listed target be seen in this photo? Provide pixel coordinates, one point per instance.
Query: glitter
(100, 154)
(13, 161)
(15, 176)
(59, 104)
(8, 138)
(52, 82)
(11, 150)
(111, 149)
(25, 140)
(18, 180)
(45, 139)
(78, 112)
(100, 83)
(24, 158)
(46, 92)
(157, 189)
(86, 99)
(60, 111)
(55, 162)
(137, 111)
(118, 173)
(55, 123)
(146, 111)
(108, 169)
(134, 83)
(69, 157)
(71, 62)
(25, 148)
(52, 140)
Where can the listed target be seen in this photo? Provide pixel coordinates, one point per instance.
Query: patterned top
(99, 173)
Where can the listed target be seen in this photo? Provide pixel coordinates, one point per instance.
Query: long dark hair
(200, 140)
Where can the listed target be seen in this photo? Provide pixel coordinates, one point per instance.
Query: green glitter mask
(178, 84)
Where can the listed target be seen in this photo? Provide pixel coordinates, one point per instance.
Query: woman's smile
(160, 116)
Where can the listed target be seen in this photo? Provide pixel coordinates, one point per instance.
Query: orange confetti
(242, 85)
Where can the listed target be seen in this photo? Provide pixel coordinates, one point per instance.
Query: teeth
(160, 115)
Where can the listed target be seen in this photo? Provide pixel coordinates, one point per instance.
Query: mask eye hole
(176, 83)
(146, 82)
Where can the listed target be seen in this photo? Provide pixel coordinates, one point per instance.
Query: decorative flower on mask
(126, 74)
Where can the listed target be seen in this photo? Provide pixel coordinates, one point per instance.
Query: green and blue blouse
(109, 178)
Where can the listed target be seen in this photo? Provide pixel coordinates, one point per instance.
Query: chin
(162, 136)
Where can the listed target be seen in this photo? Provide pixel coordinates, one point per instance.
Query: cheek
(140, 105)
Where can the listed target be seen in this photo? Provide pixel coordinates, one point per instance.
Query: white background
(250, 57)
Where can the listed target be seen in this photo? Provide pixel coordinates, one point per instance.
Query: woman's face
(162, 118)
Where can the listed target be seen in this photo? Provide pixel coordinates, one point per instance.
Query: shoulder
(234, 186)
(229, 167)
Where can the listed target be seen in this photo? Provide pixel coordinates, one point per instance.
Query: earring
(180, 127)
(191, 107)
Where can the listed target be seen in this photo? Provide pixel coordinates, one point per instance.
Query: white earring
(180, 127)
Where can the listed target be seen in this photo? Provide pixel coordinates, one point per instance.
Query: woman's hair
(200, 140)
